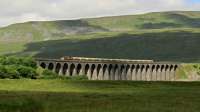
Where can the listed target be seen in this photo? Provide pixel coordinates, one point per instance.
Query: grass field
(98, 96)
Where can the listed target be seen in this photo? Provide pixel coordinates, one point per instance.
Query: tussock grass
(98, 96)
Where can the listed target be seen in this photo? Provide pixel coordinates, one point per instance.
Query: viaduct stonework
(112, 69)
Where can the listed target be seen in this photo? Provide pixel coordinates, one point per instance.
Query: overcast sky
(14, 11)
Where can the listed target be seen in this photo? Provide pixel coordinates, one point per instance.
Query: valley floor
(98, 96)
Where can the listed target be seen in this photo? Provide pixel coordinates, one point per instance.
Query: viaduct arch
(112, 69)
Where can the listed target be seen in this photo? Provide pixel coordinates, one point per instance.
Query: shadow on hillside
(78, 27)
(191, 22)
(181, 21)
(159, 25)
(167, 46)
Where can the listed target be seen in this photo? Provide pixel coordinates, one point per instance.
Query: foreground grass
(98, 96)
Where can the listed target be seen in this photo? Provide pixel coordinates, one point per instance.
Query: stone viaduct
(112, 69)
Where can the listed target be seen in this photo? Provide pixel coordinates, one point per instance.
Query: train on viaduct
(112, 69)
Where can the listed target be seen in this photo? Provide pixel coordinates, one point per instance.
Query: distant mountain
(59, 29)
(142, 36)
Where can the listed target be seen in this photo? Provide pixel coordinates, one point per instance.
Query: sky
(17, 11)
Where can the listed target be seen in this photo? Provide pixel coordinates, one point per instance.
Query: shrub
(3, 72)
(25, 61)
(80, 77)
(9, 72)
(27, 72)
(12, 72)
(28, 61)
(26, 67)
(195, 66)
(40, 71)
(17, 67)
(47, 74)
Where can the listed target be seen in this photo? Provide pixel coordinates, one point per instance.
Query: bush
(3, 72)
(26, 67)
(17, 67)
(47, 74)
(27, 72)
(80, 77)
(40, 71)
(12, 72)
(197, 68)
(9, 72)
(25, 61)
(28, 61)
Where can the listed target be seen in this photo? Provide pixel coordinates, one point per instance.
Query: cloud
(13, 11)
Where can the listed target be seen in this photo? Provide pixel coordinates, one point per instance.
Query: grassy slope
(149, 21)
(58, 29)
(98, 96)
(160, 46)
(176, 37)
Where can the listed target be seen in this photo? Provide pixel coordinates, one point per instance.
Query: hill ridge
(109, 37)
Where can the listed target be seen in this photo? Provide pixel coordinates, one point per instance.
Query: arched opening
(171, 68)
(133, 67)
(153, 68)
(115, 69)
(110, 68)
(43, 65)
(86, 68)
(162, 68)
(110, 72)
(137, 68)
(142, 67)
(58, 67)
(98, 70)
(51, 66)
(65, 67)
(142, 73)
(163, 73)
(175, 67)
(78, 69)
(122, 72)
(122, 68)
(127, 68)
(147, 68)
(92, 69)
(158, 76)
(133, 70)
(167, 67)
(157, 68)
(116, 72)
(71, 70)
(104, 69)
(153, 73)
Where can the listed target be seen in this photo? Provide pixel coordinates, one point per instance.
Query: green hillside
(169, 36)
